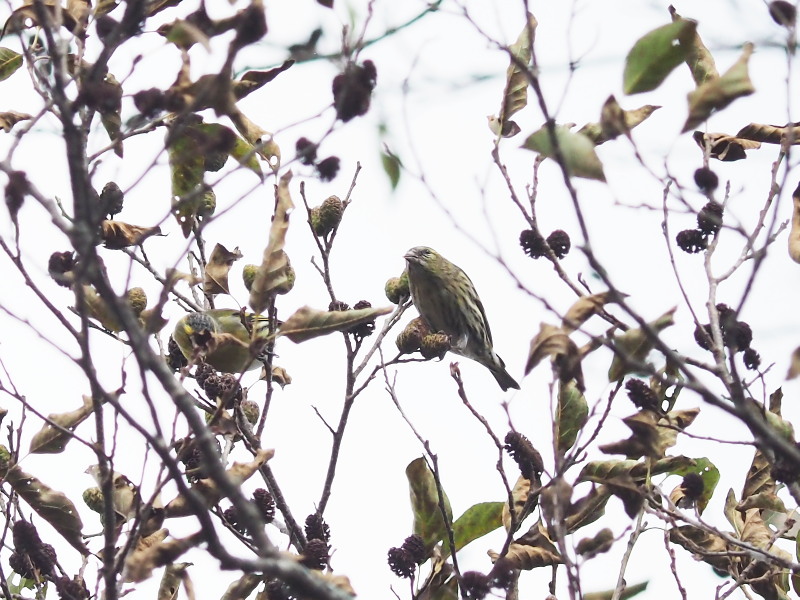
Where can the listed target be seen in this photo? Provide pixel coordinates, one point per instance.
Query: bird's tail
(498, 369)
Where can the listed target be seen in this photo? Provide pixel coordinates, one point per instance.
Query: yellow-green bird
(228, 356)
(446, 298)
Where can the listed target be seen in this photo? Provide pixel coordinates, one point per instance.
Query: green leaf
(391, 166)
(571, 415)
(656, 54)
(10, 61)
(428, 521)
(710, 476)
(602, 470)
(186, 168)
(240, 149)
(477, 521)
(244, 152)
(576, 149)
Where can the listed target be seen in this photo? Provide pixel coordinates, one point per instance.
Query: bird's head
(420, 255)
(197, 322)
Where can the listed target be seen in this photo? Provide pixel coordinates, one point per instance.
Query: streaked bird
(228, 356)
(446, 299)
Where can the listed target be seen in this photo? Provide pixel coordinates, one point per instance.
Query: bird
(448, 302)
(225, 354)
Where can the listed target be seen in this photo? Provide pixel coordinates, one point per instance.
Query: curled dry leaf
(241, 588)
(614, 121)
(307, 323)
(54, 435)
(99, 310)
(117, 234)
(653, 434)
(262, 140)
(53, 506)
(215, 277)
(717, 93)
(515, 95)
(341, 582)
(140, 563)
(519, 493)
(527, 558)
(771, 134)
(601, 542)
(554, 342)
(634, 345)
(273, 271)
(207, 488)
(11, 118)
(26, 16)
(171, 580)
(794, 361)
(698, 58)
(126, 498)
(794, 248)
(724, 147)
(588, 509)
(584, 308)
(705, 546)
(253, 80)
(279, 376)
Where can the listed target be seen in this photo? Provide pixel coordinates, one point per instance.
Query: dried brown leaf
(554, 342)
(215, 279)
(126, 499)
(307, 323)
(27, 16)
(53, 506)
(717, 93)
(614, 121)
(273, 271)
(515, 95)
(253, 80)
(11, 118)
(724, 147)
(519, 493)
(117, 234)
(526, 558)
(140, 563)
(584, 308)
(771, 134)
(698, 58)
(54, 435)
(601, 542)
(171, 580)
(207, 488)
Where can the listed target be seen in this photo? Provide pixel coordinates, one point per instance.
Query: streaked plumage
(446, 298)
(228, 358)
